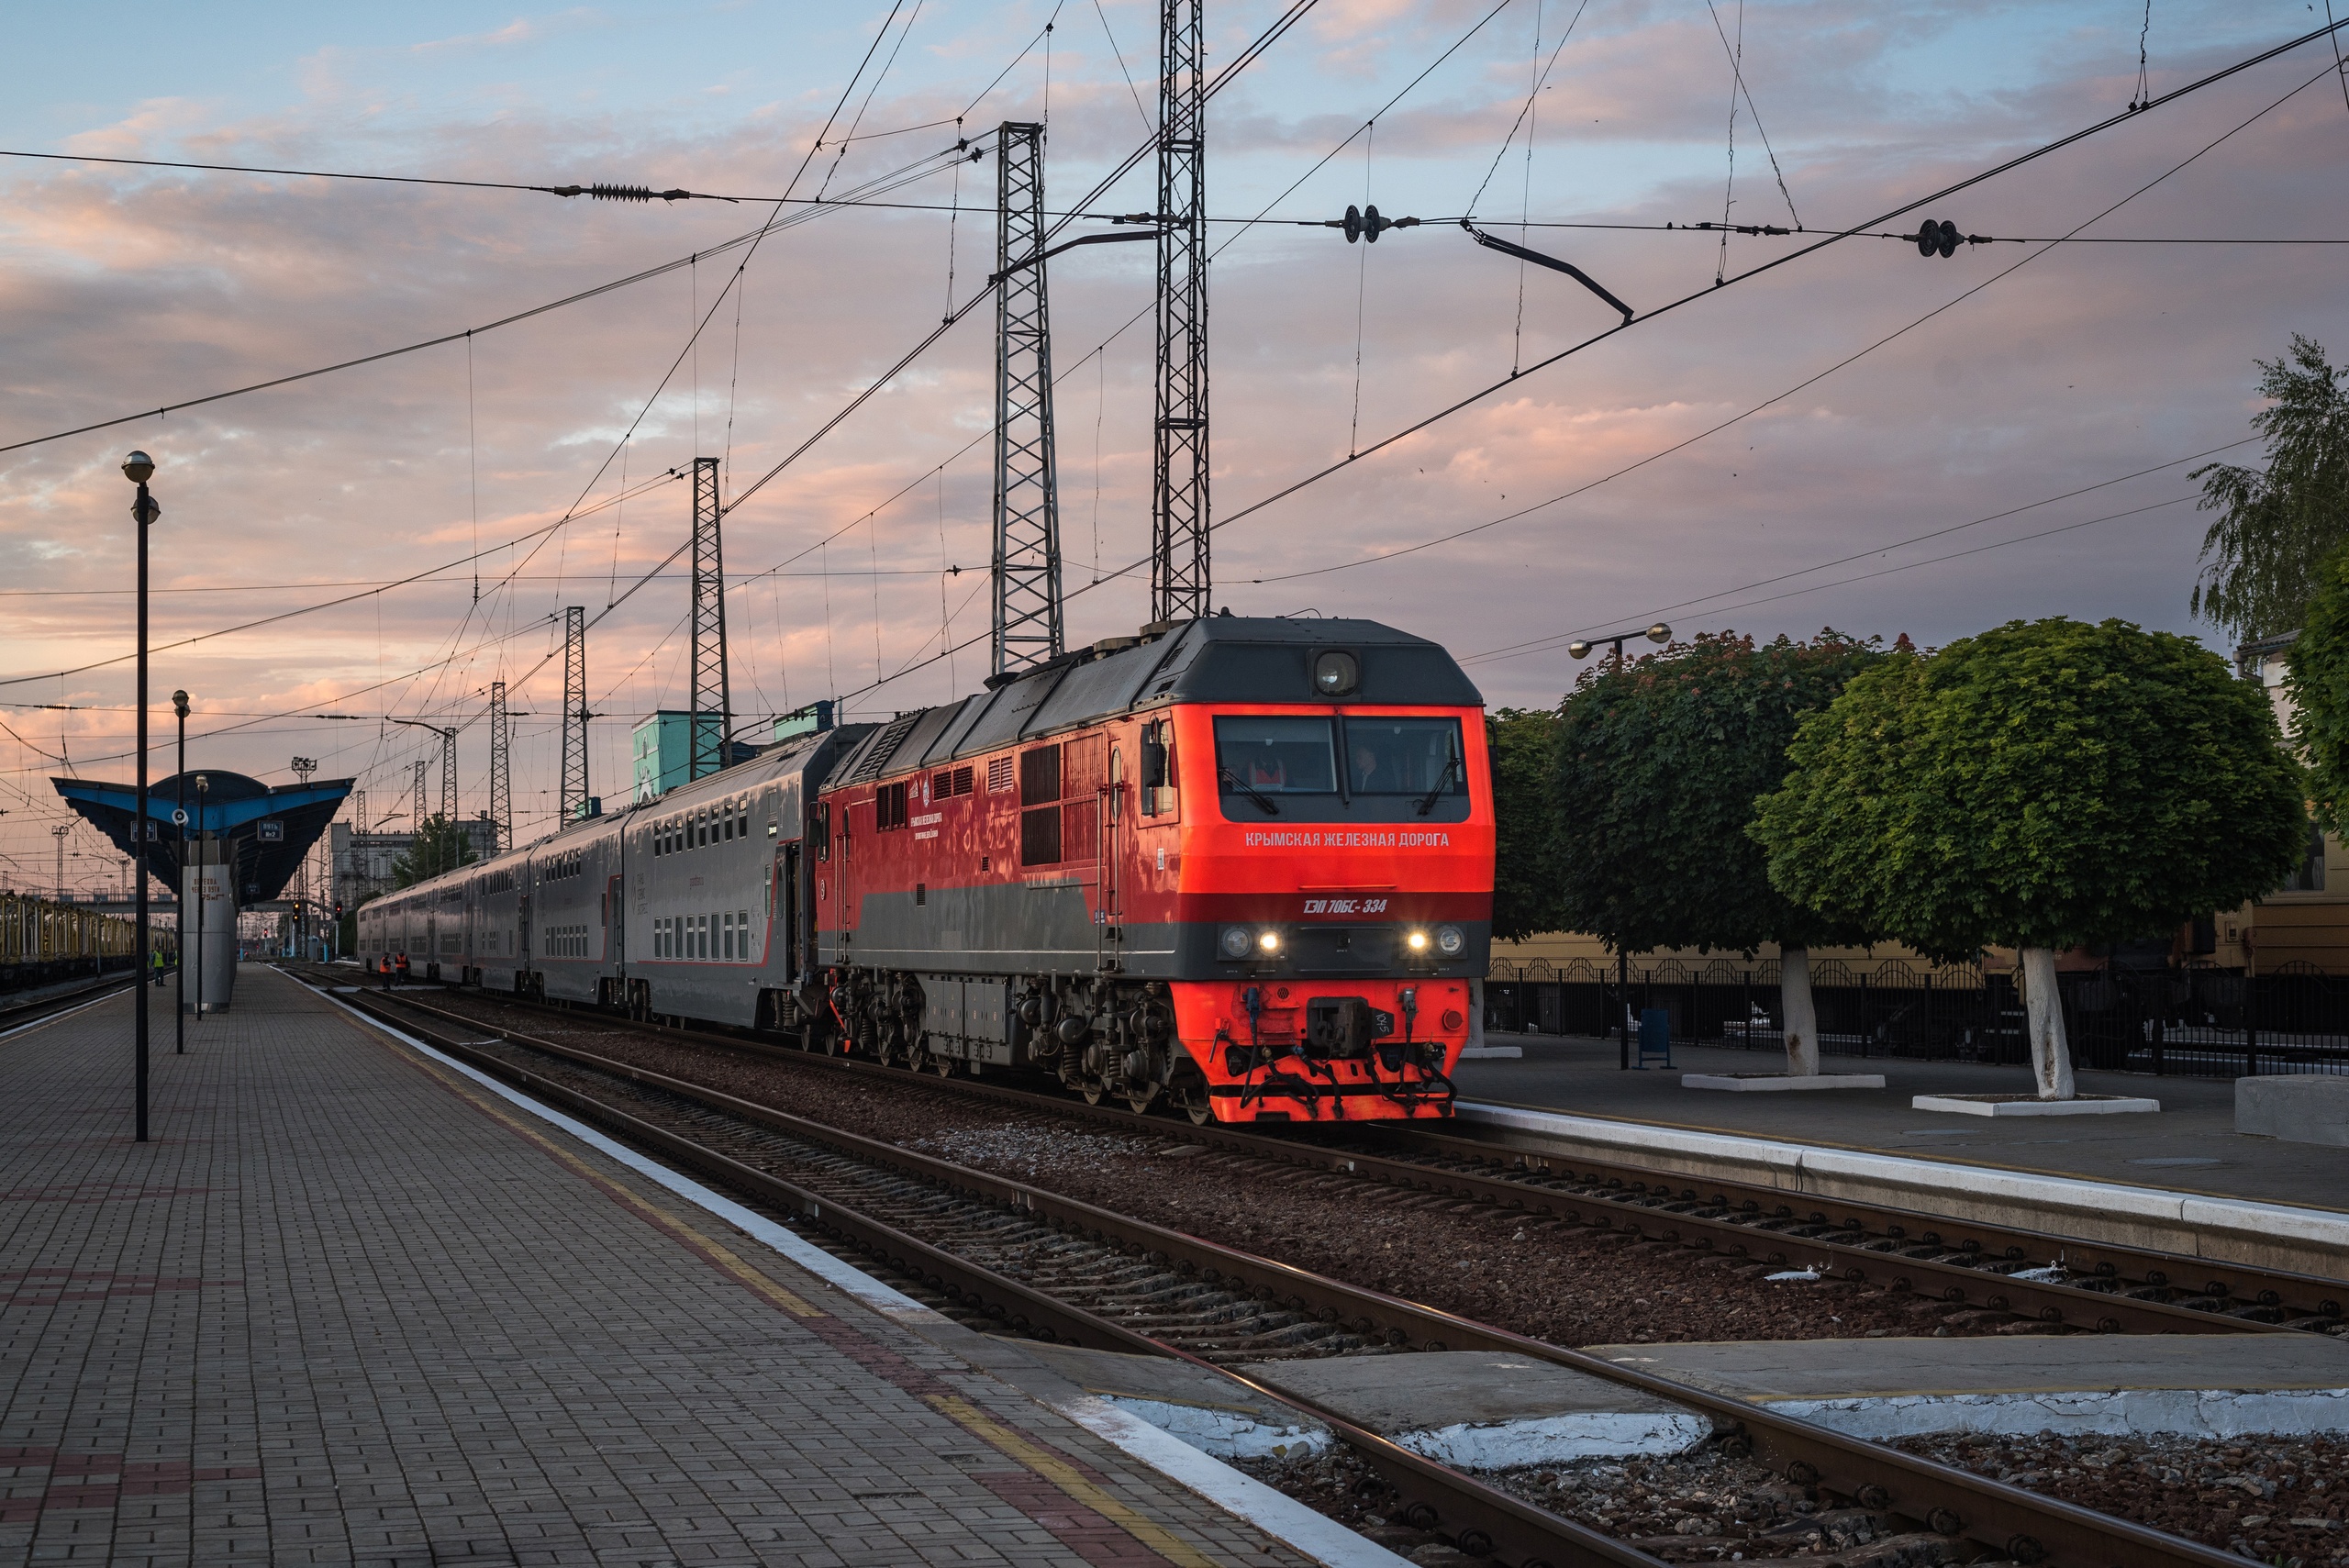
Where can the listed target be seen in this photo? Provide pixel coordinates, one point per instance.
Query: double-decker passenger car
(1240, 865)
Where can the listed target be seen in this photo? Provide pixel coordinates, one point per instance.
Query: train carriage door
(615, 923)
(782, 911)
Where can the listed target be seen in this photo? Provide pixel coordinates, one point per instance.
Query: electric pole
(501, 777)
(1179, 579)
(712, 697)
(59, 833)
(1027, 564)
(574, 712)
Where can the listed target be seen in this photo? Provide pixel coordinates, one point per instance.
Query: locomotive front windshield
(1382, 755)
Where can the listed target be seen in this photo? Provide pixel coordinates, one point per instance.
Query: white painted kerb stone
(1763, 1083)
(1980, 1105)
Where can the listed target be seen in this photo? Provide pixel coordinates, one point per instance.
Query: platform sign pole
(139, 468)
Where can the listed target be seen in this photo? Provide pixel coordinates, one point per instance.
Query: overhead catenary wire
(1550, 640)
(2024, 158)
(1825, 240)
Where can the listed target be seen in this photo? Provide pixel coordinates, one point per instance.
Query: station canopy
(267, 829)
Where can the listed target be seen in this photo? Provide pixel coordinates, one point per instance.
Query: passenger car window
(1403, 756)
(1274, 755)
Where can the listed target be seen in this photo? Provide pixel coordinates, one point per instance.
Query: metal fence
(2204, 1023)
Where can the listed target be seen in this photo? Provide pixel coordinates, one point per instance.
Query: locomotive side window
(1039, 789)
(1275, 755)
(1040, 776)
(999, 774)
(1404, 756)
(891, 806)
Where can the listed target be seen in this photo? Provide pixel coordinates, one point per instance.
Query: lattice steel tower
(712, 694)
(423, 801)
(1027, 564)
(501, 777)
(449, 774)
(574, 712)
(1179, 579)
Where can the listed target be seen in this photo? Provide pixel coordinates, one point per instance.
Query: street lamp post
(139, 468)
(179, 823)
(1580, 648)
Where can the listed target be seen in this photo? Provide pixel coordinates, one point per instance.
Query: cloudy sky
(1784, 453)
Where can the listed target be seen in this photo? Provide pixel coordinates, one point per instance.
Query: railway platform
(2183, 1180)
(351, 1306)
(2191, 1146)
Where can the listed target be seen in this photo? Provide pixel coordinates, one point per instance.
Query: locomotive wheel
(1143, 1101)
(942, 1065)
(1092, 1091)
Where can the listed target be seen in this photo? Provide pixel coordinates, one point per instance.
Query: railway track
(2053, 1279)
(1021, 1258)
(18, 1014)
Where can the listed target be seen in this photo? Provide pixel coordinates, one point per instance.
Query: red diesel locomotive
(1239, 866)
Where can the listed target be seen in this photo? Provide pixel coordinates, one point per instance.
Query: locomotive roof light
(1336, 672)
(1449, 941)
(1235, 941)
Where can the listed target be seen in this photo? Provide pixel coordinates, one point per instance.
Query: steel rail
(1904, 1250)
(17, 1015)
(2024, 1526)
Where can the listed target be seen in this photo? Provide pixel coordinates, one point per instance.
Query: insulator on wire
(619, 192)
(1939, 239)
(1362, 223)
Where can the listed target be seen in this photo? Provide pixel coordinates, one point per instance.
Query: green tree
(440, 845)
(1525, 893)
(2317, 680)
(1657, 769)
(2039, 786)
(2277, 523)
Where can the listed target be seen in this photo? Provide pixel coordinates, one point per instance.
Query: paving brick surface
(348, 1308)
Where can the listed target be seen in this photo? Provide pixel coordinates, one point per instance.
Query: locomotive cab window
(1404, 756)
(1268, 755)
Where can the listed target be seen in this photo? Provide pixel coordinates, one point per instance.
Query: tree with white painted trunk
(2041, 786)
(1657, 766)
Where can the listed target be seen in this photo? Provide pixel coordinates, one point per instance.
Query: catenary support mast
(1027, 564)
(501, 777)
(1179, 579)
(713, 697)
(574, 797)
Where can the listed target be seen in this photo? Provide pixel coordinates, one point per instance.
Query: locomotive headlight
(1268, 942)
(1449, 941)
(1416, 941)
(1235, 941)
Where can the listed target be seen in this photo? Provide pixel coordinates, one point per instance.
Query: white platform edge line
(59, 1018)
(1276, 1513)
(2082, 1192)
(1281, 1517)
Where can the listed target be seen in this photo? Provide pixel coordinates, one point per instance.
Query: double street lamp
(1580, 648)
(139, 468)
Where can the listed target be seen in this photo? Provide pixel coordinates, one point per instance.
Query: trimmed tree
(2039, 786)
(1525, 895)
(1657, 766)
